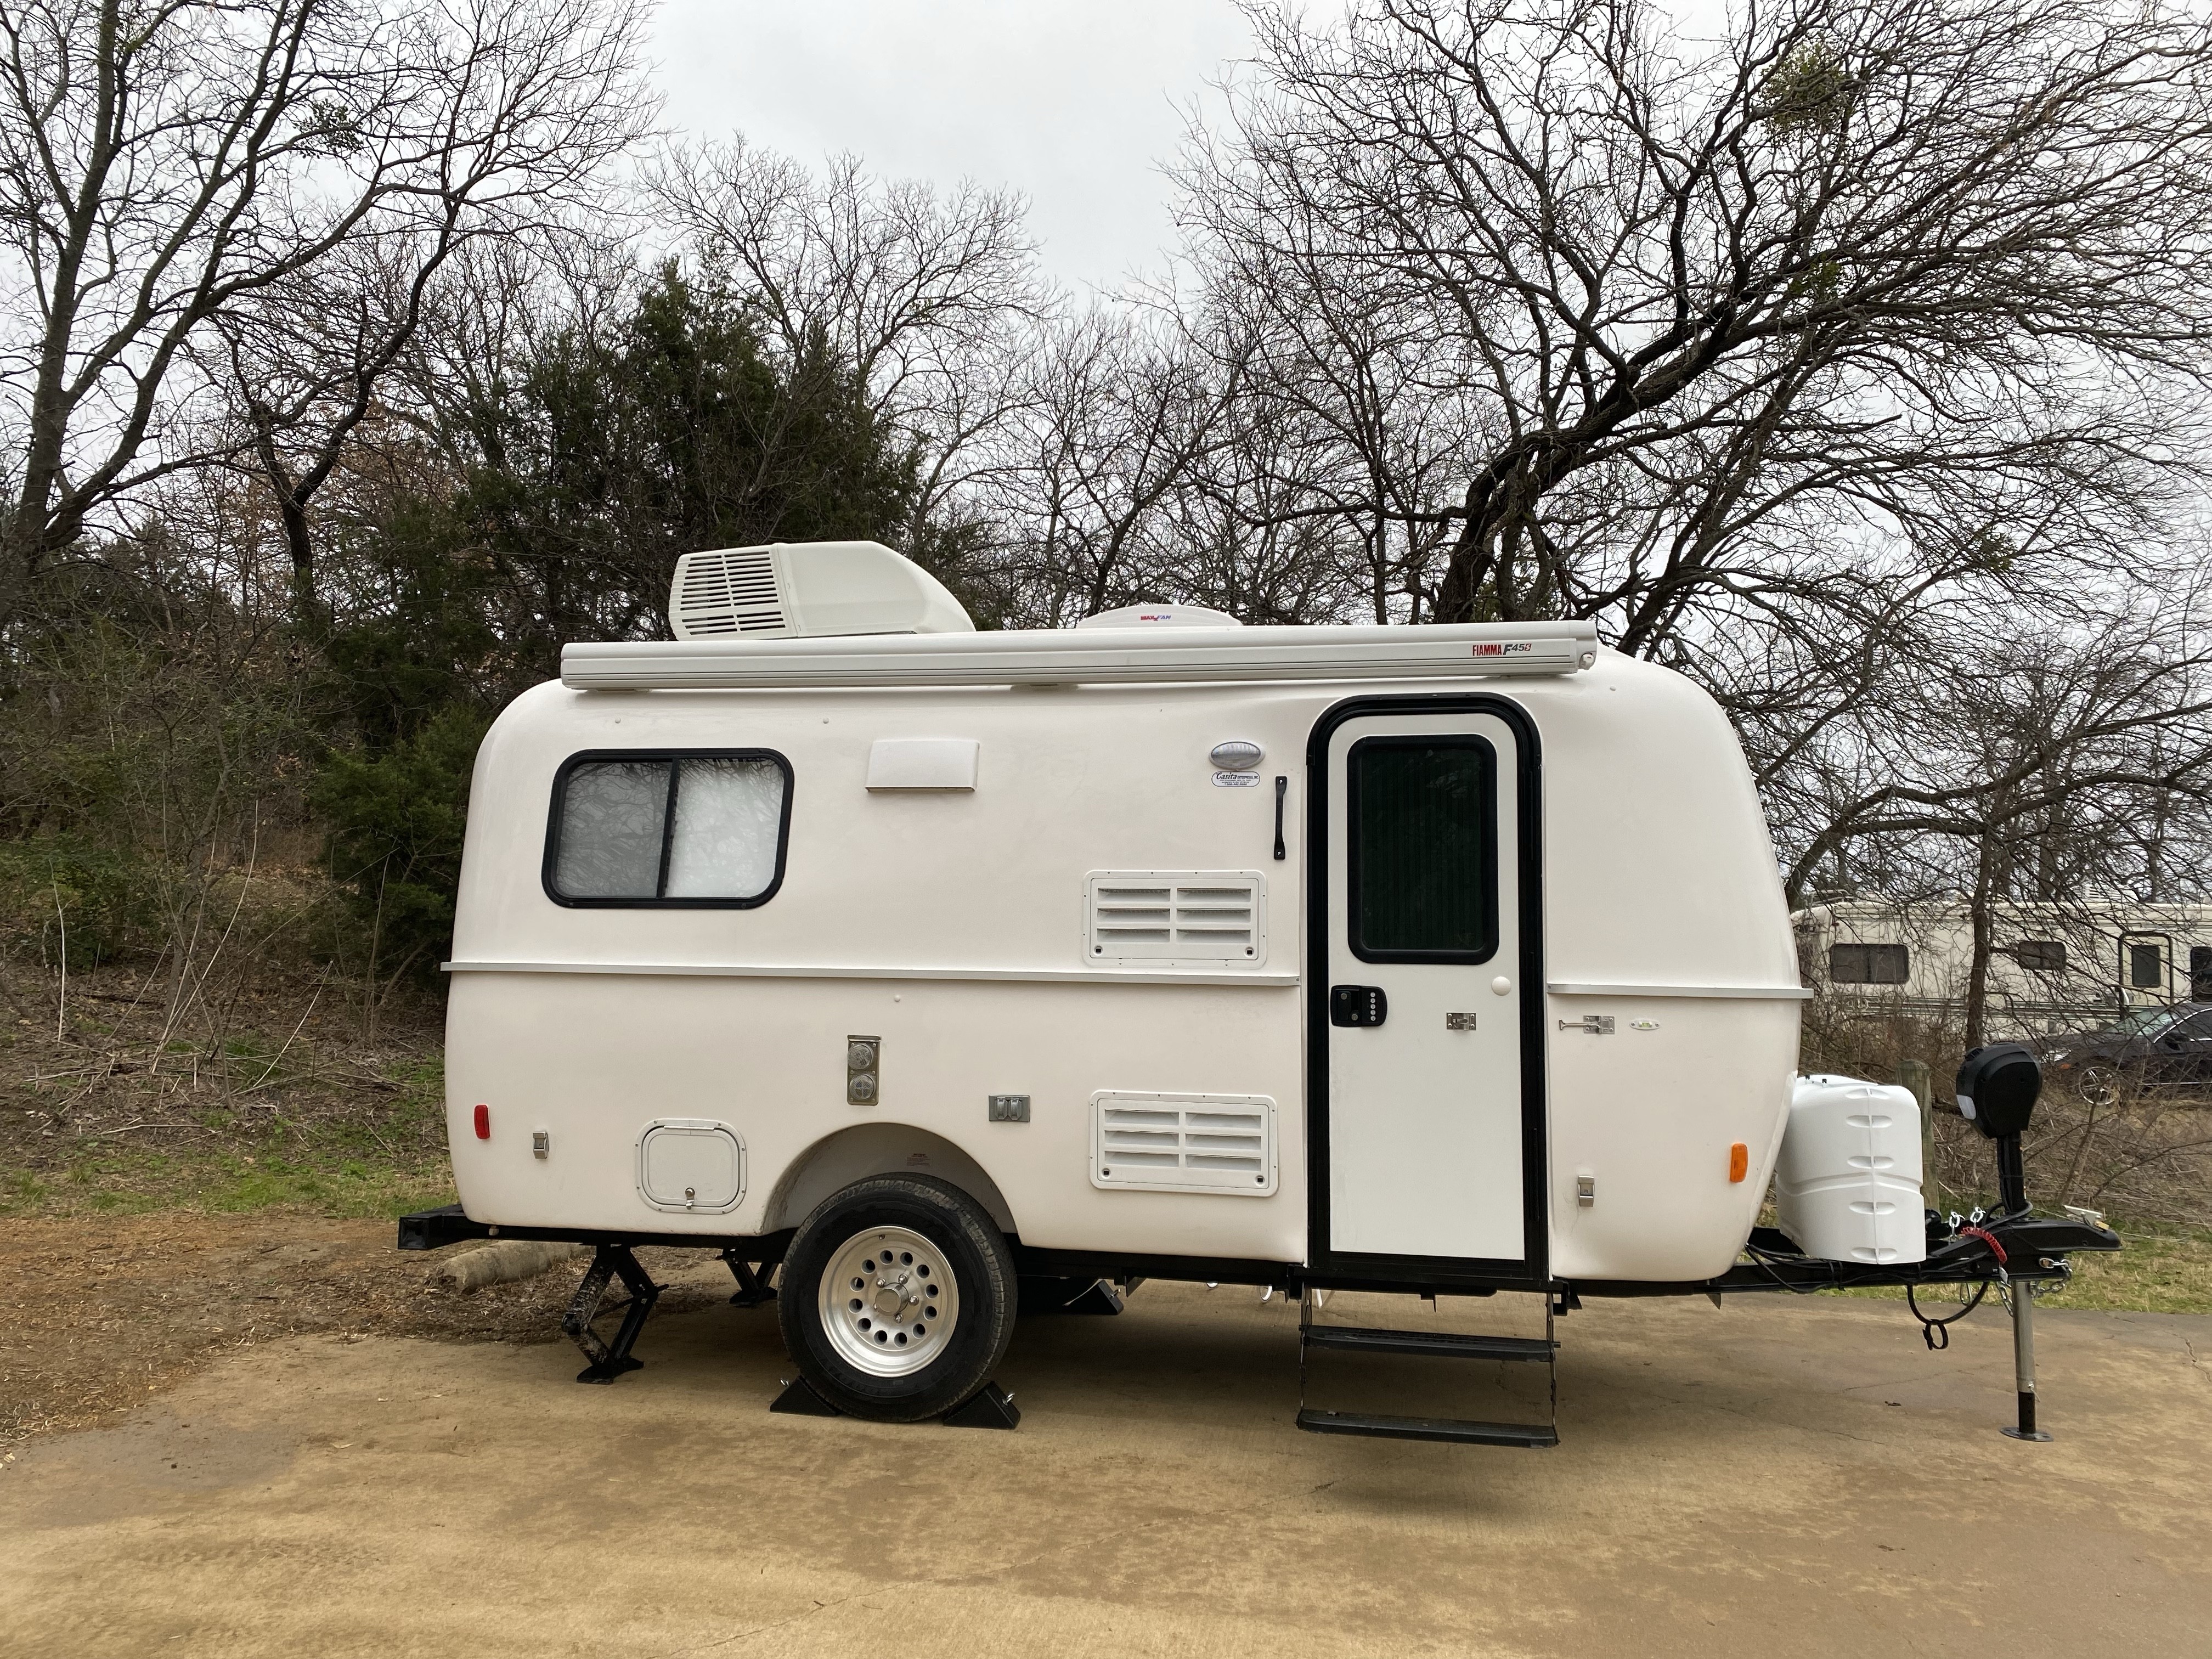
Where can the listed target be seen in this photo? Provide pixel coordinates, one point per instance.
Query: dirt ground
(99, 1312)
(1778, 1476)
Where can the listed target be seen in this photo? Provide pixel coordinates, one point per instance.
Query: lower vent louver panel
(1183, 1143)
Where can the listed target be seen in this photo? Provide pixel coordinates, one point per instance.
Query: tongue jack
(1998, 1086)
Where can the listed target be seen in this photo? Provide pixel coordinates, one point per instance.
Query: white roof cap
(1160, 615)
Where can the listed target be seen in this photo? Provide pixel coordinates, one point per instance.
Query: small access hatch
(691, 1165)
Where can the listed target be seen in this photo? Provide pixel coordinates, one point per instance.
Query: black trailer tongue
(1998, 1085)
(2010, 1247)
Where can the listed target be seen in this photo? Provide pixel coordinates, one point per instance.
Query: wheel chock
(989, 1407)
(800, 1400)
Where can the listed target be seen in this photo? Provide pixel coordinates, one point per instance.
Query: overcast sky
(1074, 102)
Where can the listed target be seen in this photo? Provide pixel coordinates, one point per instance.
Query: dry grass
(272, 1097)
(2158, 1273)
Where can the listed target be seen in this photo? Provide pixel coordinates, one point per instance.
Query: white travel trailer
(915, 960)
(2052, 967)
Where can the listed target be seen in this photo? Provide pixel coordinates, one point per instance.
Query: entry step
(1429, 1428)
(1370, 1375)
(1444, 1344)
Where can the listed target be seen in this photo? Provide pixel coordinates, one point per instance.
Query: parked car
(2145, 1049)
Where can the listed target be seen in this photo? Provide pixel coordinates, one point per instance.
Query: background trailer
(923, 964)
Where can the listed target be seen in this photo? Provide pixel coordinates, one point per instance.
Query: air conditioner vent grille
(1205, 917)
(1183, 1143)
(721, 594)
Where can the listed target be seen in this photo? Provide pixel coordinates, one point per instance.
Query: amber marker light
(1739, 1154)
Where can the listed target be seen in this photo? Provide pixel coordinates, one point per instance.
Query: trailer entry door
(1429, 1124)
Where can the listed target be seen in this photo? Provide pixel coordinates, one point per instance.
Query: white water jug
(1847, 1184)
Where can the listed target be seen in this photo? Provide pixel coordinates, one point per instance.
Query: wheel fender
(837, 1160)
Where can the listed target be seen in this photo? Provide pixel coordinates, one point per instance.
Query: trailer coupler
(610, 1360)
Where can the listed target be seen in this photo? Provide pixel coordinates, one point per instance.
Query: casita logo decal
(1510, 648)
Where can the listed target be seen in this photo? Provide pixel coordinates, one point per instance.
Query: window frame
(674, 757)
(2050, 955)
(1354, 935)
(1903, 950)
(2161, 956)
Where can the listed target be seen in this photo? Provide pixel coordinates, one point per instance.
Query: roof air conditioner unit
(791, 590)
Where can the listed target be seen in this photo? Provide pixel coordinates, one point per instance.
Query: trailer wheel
(898, 1297)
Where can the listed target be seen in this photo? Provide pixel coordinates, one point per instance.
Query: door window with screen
(1422, 850)
(700, 830)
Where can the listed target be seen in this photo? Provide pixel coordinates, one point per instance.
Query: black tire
(970, 1247)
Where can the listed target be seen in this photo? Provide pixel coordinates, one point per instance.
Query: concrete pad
(1782, 1476)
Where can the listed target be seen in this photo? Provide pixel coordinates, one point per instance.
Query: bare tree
(2027, 764)
(164, 166)
(1111, 426)
(934, 297)
(1849, 298)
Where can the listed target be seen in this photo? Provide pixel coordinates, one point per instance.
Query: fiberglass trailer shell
(1588, 1080)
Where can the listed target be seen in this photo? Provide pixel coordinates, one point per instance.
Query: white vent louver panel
(1163, 1143)
(1203, 918)
(718, 595)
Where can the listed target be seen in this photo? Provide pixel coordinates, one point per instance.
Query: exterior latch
(1358, 1005)
(1594, 1024)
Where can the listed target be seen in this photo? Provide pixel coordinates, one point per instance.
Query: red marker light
(483, 1123)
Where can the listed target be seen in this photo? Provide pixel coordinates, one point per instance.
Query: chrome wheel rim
(2099, 1087)
(888, 1301)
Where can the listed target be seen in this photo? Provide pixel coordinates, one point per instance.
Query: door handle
(1358, 1005)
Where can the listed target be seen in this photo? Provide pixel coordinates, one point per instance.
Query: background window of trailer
(2146, 966)
(1868, 964)
(680, 829)
(2046, 956)
(2200, 973)
(1423, 858)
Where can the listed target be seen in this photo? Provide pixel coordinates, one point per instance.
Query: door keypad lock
(1358, 1005)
